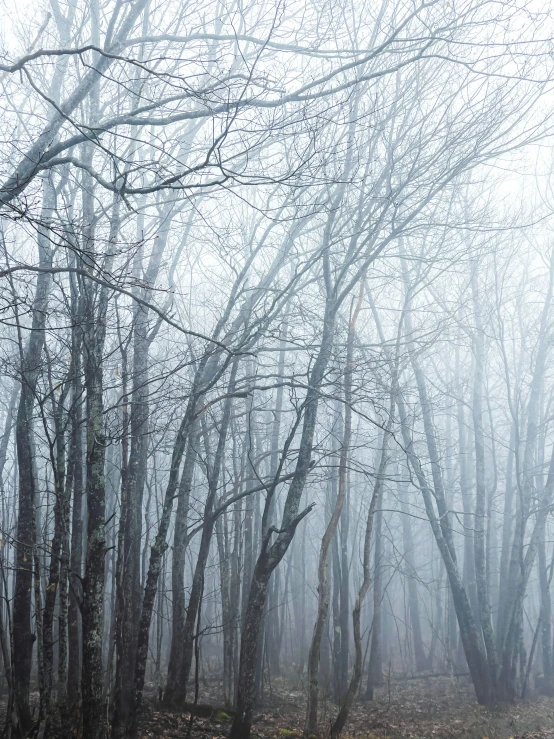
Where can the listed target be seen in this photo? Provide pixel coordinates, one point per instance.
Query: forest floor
(416, 708)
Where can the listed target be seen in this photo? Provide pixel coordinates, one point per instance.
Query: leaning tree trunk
(197, 589)
(180, 542)
(271, 555)
(342, 717)
(157, 551)
(440, 525)
(209, 369)
(440, 519)
(520, 561)
(330, 531)
(206, 368)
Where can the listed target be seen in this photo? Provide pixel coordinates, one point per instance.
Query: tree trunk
(507, 529)
(159, 546)
(480, 525)
(352, 690)
(180, 542)
(546, 611)
(470, 578)
(521, 561)
(129, 580)
(413, 598)
(61, 520)
(375, 666)
(197, 589)
(94, 304)
(330, 532)
(23, 637)
(270, 556)
(76, 556)
(344, 597)
(442, 532)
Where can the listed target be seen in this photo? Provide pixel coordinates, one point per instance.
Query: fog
(276, 397)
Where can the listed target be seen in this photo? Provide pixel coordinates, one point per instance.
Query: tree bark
(413, 598)
(375, 666)
(480, 525)
(442, 532)
(95, 303)
(197, 589)
(23, 637)
(76, 556)
(330, 531)
(342, 717)
(270, 556)
(180, 542)
(521, 561)
(129, 567)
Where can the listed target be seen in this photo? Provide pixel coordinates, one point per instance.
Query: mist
(276, 386)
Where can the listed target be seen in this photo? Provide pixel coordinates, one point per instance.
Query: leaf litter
(421, 708)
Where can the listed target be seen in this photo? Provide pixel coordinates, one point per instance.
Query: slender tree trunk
(271, 555)
(375, 666)
(443, 535)
(76, 556)
(222, 536)
(521, 561)
(180, 542)
(440, 520)
(480, 525)
(197, 589)
(330, 532)
(159, 546)
(413, 598)
(354, 683)
(344, 597)
(507, 529)
(470, 578)
(206, 369)
(336, 646)
(546, 610)
(129, 601)
(61, 517)
(63, 604)
(273, 631)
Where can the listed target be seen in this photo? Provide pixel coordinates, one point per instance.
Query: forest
(276, 369)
